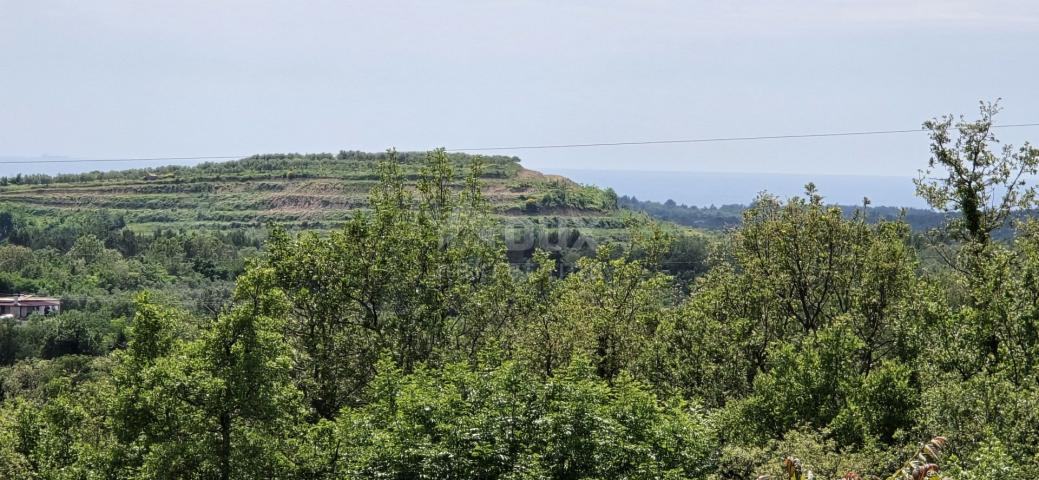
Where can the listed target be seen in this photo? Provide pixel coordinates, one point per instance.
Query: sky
(121, 78)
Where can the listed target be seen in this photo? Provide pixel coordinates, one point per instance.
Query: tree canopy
(410, 343)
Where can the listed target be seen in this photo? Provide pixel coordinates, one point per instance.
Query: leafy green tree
(616, 304)
(701, 351)
(501, 423)
(981, 408)
(985, 183)
(982, 182)
(141, 417)
(807, 383)
(788, 272)
(886, 401)
(416, 277)
(543, 339)
(74, 333)
(60, 437)
(215, 407)
(245, 367)
(9, 340)
(168, 252)
(800, 254)
(993, 460)
(20, 432)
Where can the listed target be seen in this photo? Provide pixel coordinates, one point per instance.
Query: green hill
(314, 191)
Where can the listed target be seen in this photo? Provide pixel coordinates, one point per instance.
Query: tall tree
(791, 270)
(246, 365)
(215, 407)
(416, 277)
(985, 183)
(970, 173)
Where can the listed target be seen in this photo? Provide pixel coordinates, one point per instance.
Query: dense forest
(410, 342)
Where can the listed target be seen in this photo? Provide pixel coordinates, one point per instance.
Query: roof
(29, 300)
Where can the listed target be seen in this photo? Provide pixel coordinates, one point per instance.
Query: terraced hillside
(301, 191)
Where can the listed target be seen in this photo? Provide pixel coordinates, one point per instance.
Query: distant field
(316, 191)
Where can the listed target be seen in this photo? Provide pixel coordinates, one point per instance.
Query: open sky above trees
(102, 79)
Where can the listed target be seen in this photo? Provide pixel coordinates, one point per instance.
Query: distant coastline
(713, 188)
(701, 189)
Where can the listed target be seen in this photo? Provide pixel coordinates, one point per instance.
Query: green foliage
(983, 184)
(215, 406)
(727, 217)
(993, 460)
(810, 342)
(886, 401)
(502, 423)
(397, 279)
(814, 451)
(72, 332)
(807, 383)
(563, 195)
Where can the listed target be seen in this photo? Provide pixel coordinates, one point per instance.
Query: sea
(704, 189)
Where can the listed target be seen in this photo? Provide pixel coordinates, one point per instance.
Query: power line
(544, 147)
(717, 139)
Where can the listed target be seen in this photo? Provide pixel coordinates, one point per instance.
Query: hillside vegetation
(407, 343)
(294, 190)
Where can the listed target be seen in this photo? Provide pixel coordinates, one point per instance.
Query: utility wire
(545, 147)
(717, 139)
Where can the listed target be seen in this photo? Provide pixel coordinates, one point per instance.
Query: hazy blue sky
(131, 78)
